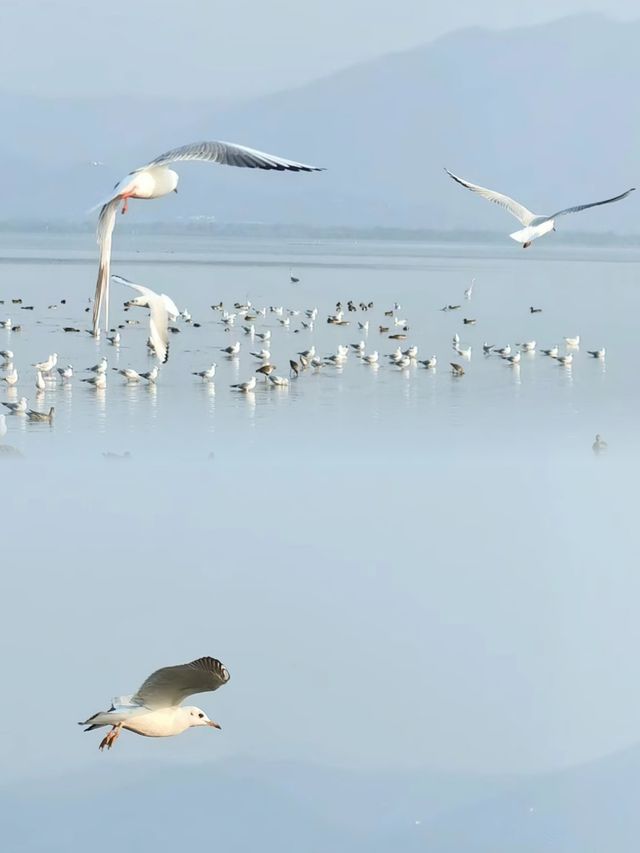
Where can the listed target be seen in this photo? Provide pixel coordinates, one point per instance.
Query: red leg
(111, 737)
(125, 205)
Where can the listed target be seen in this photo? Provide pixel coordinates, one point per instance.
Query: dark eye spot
(201, 715)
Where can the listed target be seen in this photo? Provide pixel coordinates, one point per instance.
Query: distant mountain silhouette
(545, 113)
(243, 807)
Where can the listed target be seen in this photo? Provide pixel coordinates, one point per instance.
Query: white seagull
(156, 709)
(208, 374)
(263, 355)
(151, 375)
(245, 387)
(11, 378)
(100, 367)
(565, 360)
(552, 352)
(156, 179)
(536, 225)
(48, 365)
(430, 363)
(65, 372)
(280, 381)
(129, 373)
(597, 353)
(98, 381)
(162, 309)
(18, 408)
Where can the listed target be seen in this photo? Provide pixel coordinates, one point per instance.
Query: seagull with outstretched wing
(155, 180)
(536, 225)
(156, 709)
(162, 309)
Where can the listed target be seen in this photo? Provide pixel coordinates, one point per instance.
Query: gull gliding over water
(162, 309)
(155, 179)
(156, 709)
(536, 225)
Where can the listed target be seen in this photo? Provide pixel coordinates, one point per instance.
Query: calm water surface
(365, 546)
(540, 408)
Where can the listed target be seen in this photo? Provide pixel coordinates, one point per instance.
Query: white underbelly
(161, 723)
(155, 183)
(145, 186)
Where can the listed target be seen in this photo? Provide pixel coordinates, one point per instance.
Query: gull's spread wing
(171, 685)
(144, 291)
(229, 154)
(159, 328)
(106, 224)
(580, 207)
(159, 305)
(515, 209)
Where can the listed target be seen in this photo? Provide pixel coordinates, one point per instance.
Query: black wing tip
(213, 665)
(279, 167)
(455, 178)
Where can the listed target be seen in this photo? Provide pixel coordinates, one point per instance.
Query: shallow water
(398, 567)
(540, 407)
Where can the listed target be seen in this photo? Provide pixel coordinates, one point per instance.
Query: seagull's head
(197, 717)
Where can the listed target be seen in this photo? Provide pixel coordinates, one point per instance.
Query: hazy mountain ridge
(542, 113)
(239, 805)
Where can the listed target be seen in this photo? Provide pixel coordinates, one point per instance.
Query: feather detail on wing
(229, 154)
(106, 224)
(159, 329)
(516, 209)
(580, 207)
(168, 687)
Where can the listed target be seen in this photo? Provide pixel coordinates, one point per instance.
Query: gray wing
(515, 208)
(171, 685)
(229, 154)
(580, 207)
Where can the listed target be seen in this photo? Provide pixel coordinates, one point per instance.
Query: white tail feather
(532, 232)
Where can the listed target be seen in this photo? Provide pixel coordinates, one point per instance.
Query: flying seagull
(162, 309)
(535, 224)
(155, 179)
(156, 709)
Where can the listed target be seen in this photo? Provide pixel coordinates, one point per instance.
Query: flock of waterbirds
(155, 180)
(156, 709)
(252, 330)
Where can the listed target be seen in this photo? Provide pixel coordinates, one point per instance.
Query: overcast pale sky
(212, 49)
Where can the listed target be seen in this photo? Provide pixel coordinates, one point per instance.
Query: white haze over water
(398, 570)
